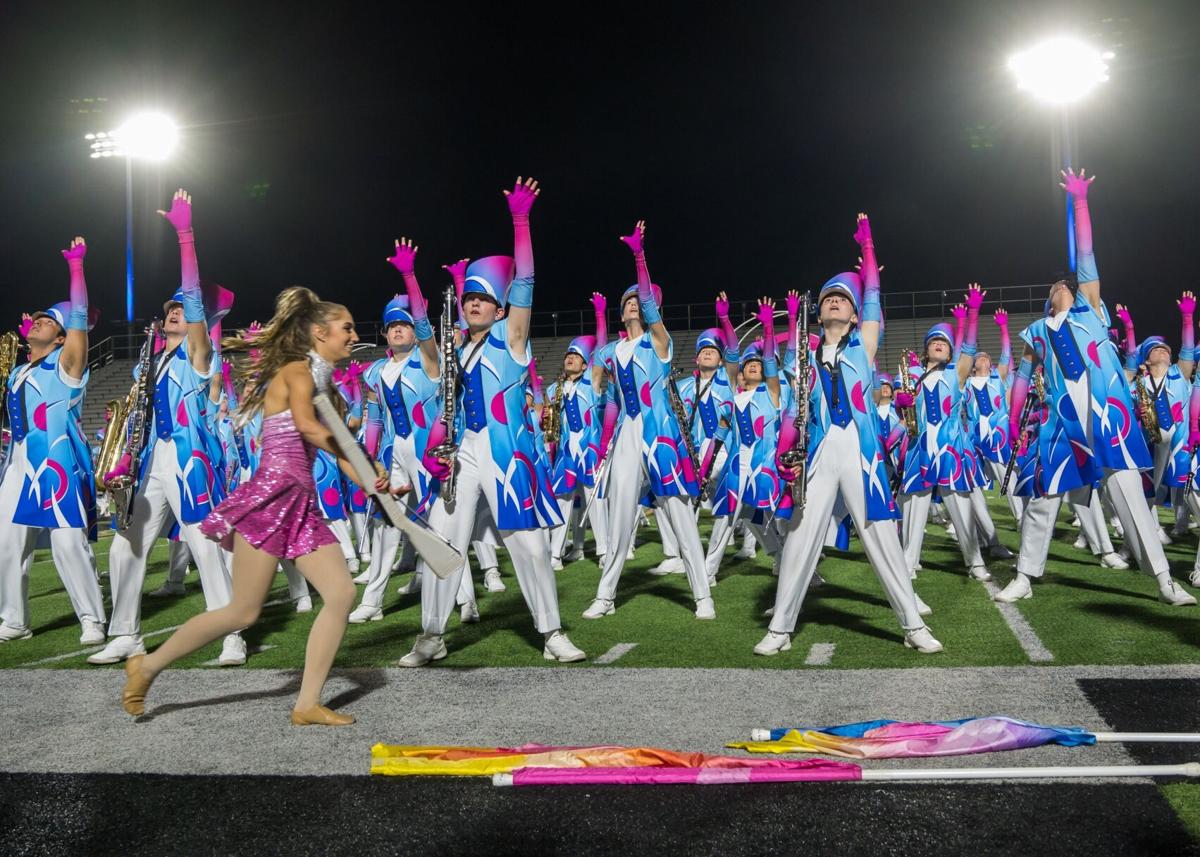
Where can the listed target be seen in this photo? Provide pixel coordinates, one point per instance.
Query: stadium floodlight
(151, 136)
(1061, 70)
(143, 136)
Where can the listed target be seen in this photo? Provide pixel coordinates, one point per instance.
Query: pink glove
(959, 312)
(793, 304)
(1076, 185)
(787, 439)
(721, 305)
(180, 215)
(405, 257)
(457, 272)
(26, 324)
(862, 235)
(814, 341)
(1187, 304)
(74, 255)
(1193, 441)
(612, 412)
(522, 197)
(636, 240)
(600, 305)
(1124, 316)
(437, 436)
(904, 399)
(975, 296)
(122, 469)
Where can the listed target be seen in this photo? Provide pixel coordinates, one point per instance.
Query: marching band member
(845, 458)
(937, 457)
(176, 473)
(403, 402)
(649, 448)
(495, 462)
(1083, 376)
(48, 480)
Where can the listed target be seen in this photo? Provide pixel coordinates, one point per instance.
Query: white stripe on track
(616, 652)
(1034, 648)
(820, 655)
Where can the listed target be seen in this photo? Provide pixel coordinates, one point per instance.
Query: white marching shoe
(1080, 543)
(705, 609)
(745, 552)
(468, 613)
(999, 551)
(980, 572)
(773, 644)
(93, 633)
(492, 581)
(1163, 537)
(559, 648)
(365, 613)
(413, 585)
(118, 649)
(923, 609)
(923, 641)
(600, 607)
(950, 531)
(352, 564)
(1170, 593)
(1112, 559)
(670, 565)
(8, 634)
(556, 563)
(429, 647)
(167, 590)
(233, 651)
(1016, 590)
(1194, 578)
(304, 604)
(575, 555)
(364, 578)
(629, 554)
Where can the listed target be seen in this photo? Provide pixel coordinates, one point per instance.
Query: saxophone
(552, 414)
(907, 385)
(447, 448)
(134, 430)
(1145, 402)
(796, 458)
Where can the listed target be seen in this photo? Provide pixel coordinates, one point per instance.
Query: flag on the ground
(533, 764)
(890, 739)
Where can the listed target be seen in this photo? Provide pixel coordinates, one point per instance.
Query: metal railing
(692, 316)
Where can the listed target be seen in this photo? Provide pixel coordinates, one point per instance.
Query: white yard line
(94, 649)
(615, 652)
(1034, 648)
(820, 655)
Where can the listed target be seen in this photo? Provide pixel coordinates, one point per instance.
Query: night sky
(746, 134)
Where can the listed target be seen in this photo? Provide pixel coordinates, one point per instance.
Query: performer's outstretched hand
(180, 215)
(522, 197)
(457, 270)
(793, 303)
(1124, 316)
(766, 316)
(404, 259)
(862, 234)
(1076, 185)
(599, 303)
(637, 239)
(975, 295)
(959, 311)
(76, 251)
(1000, 316)
(1187, 303)
(722, 305)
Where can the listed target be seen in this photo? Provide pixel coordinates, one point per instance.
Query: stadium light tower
(1061, 72)
(144, 136)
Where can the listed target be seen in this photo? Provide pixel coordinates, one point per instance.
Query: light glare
(1060, 70)
(148, 135)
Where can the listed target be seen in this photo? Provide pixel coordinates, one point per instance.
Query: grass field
(1082, 613)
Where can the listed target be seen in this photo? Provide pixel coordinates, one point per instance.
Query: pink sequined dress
(276, 510)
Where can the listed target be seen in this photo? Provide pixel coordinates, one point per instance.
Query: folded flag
(892, 739)
(533, 764)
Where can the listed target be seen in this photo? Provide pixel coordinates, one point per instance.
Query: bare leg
(253, 571)
(325, 568)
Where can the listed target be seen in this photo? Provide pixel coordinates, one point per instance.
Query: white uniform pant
(1124, 490)
(985, 529)
(957, 505)
(68, 545)
(341, 531)
(158, 497)
(1094, 526)
(1016, 504)
(178, 560)
(387, 538)
(477, 477)
(723, 527)
(596, 516)
(360, 526)
(622, 493)
(670, 544)
(835, 471)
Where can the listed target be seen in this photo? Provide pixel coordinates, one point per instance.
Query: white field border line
(1034, 648)
(55, 658)
(820, 655)
(616, 652)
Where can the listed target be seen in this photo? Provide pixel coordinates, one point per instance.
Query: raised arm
(458, 275)
(73, 359)
(1187, 335)
(959, 311)
(766, 317)
(199, 345)
(600, 305)
(1001, 319)
(1020, 391)
(1131, 345)
(728, 337)
(1085, 259)
(871, 313)
(636, 241)
(404, 260)
(520, 294)
(966, 356)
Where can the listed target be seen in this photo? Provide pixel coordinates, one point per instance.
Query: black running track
(51, 814)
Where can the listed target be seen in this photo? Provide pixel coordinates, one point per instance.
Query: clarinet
(796, 458)
(1032, 400)
(450, 368)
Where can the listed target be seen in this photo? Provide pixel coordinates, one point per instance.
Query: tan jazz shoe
(133, 697)
(319, 715)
